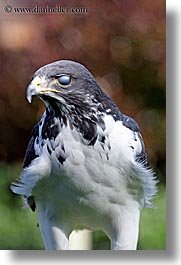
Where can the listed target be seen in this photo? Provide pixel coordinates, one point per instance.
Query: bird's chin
(53, 102)
(52, 97)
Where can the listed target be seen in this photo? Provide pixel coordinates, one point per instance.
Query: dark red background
(122, 42)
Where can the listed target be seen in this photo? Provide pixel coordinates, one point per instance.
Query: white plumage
(73, 180)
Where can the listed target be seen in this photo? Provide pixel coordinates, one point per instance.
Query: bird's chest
(85, 179)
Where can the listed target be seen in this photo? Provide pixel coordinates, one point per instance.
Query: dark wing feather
(30, 152)
(29, 156)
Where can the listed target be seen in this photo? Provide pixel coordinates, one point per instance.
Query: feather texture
(85, 164)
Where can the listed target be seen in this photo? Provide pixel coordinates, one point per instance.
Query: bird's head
(66, 85)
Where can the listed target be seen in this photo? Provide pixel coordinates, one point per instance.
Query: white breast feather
(91, 177)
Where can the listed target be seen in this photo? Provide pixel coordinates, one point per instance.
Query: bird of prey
(86, 162)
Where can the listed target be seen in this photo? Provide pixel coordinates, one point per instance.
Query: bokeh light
(121, 42)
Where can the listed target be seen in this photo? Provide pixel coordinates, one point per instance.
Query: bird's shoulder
(129, 122)
(136, 142)
(128, 126)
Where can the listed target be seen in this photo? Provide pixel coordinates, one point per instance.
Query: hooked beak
(37, 87)
(33, 88)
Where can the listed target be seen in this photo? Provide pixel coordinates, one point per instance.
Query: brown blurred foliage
(122, 42)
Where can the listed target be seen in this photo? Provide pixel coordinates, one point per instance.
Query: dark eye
(64, 80)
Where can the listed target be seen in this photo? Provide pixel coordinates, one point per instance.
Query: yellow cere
(37, 81)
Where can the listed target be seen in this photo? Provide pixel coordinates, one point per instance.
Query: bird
(85, 163)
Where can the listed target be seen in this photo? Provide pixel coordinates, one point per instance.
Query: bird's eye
(64, 80)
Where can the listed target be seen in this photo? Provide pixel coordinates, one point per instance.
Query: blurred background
(122, 42)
